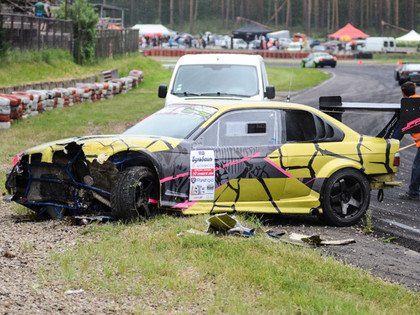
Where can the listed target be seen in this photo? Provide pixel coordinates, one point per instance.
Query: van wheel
(345, 198)
(134, 194)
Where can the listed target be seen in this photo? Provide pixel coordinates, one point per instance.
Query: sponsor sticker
(202, 167)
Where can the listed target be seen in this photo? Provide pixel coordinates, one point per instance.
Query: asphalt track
(393, 218)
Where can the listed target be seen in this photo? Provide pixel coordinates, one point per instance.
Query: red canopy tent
(349, 30)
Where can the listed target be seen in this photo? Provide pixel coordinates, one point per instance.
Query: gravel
(25, 249)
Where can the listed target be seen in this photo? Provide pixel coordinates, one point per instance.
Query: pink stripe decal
(185, 205)
(310, 181)
(153, 200)
(278, 167)
(241, 160)
(172, 177)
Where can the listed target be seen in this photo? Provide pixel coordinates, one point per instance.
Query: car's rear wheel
(333, 66)
(303, 64)
(134, 194)
(315, 65)
(345, 198)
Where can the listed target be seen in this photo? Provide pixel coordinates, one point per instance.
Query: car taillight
(404, 73)
(335, 58)
(396, 159)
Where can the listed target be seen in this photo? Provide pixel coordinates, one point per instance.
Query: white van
(382, 44)
(218, 76)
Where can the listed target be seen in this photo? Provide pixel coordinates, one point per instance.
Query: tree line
(311, 16)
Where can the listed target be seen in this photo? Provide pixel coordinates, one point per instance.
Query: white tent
(411, 37)
(153, 29)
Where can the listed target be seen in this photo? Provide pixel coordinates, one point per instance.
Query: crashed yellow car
(265, 157)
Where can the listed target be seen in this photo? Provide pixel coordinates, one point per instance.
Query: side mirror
(163, 90)
(270, 92)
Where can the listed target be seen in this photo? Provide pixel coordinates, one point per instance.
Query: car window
(303, 126)
(242, 128)
(216, 80)
(177, 121)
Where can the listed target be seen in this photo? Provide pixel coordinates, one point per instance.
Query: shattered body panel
(285, 174)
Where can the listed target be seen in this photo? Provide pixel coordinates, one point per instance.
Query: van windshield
(216, 80)
(177, 121)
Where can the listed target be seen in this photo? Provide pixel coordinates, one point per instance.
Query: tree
(3, 42)
(84, 20)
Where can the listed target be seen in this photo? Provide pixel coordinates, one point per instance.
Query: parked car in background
(210, 157)
(407, 72)
(380, 44)
(238, 43)
(322, 48)
(319, 59)
(295, 46)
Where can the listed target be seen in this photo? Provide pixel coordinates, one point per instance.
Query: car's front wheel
(134, 194)
(345, 198)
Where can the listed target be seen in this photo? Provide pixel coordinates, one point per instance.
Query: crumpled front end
(67, 182)
(76, 175)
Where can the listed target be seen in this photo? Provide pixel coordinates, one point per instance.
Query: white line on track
(401, 225)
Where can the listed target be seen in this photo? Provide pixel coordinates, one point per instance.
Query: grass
(149, 266)
(161, 271)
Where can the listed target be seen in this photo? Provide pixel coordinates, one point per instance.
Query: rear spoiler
(333, 106)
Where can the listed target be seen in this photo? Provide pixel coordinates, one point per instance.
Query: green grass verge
(161, 271)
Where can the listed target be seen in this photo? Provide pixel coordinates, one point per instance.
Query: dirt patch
(25, 249)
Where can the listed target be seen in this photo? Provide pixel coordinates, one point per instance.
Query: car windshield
(216, 80)
(177, 121)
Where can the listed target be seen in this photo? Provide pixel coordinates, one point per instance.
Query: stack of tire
(15, 106)
(4, 113)
(136, 74)
(23, 104)
(26, 101)
(42, 104)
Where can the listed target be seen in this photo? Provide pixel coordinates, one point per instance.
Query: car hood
(103, 146)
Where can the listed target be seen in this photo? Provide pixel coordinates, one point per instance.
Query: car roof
(412, 66)
(220, 59)
(225, 105)
(228, 105)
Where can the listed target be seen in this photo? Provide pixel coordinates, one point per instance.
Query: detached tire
(345, 198)
(134, 194)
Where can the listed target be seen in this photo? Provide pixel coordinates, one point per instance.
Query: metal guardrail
(30, 32)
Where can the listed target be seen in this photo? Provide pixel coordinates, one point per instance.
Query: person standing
(408, 89)
(40, 9)
(47, 9)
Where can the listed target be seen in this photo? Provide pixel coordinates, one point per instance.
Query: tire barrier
(4, 113)
(162, 52)
(23, 104)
